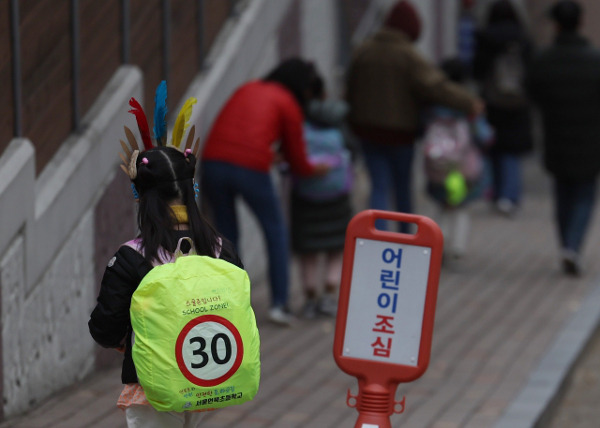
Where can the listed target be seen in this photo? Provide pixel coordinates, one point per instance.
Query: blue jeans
(574, 204)
(506, 177)
(222, 183)
(390, 170)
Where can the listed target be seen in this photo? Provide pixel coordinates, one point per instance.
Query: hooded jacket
(564, 81)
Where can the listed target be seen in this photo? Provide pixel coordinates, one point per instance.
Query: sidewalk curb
(534, 403)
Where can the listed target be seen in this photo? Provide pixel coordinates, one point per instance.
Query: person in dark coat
(503, 50)
(564, 81)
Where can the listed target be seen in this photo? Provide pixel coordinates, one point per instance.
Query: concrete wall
(46, 246)
(43, 333)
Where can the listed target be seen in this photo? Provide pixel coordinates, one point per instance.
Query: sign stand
(386, 310)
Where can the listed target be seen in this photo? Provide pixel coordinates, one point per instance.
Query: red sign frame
(379, 378)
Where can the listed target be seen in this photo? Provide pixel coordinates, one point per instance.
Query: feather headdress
(160, 113)
(142, 122)
(131, 151)
(182, 122)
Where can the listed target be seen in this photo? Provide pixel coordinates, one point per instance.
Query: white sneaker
(570, 263)
(278, 315)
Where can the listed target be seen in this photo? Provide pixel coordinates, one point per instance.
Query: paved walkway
(504, 320)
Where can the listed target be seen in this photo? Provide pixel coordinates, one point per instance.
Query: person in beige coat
(388, 85)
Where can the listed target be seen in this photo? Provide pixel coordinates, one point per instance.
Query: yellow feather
(182, 122)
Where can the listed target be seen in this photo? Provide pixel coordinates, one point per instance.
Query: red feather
(142, 122)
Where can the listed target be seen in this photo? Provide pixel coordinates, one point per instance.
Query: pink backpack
(447, 147)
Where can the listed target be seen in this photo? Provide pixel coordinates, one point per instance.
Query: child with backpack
(156, 305)
(321, 206)
(503, 51)
(454, 163)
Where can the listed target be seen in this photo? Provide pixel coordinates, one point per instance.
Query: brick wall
(46, 65)
(100, 47)
(53, 100)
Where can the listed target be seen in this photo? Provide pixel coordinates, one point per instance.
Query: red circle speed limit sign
(209, 350)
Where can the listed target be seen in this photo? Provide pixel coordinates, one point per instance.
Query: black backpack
(504, 85)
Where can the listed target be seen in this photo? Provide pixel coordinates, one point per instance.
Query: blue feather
(160, 113)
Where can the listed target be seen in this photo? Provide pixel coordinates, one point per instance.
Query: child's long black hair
(165, 175)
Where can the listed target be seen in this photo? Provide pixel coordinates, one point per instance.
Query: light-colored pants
(309, 270)
(140, 416)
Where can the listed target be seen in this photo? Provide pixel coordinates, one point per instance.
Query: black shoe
(571, 265)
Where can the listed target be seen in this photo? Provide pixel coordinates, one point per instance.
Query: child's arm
(109, 321)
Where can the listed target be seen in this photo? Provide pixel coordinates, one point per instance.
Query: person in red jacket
(238, 154)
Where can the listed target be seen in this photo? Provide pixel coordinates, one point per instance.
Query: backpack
(504, 86)
(196, 344)
(448, 147)
(326, 145)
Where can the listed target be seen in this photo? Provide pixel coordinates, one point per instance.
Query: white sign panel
(387, 302)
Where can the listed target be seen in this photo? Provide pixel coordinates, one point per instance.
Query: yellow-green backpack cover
(196, 343)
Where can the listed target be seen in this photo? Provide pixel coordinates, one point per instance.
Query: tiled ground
(499, 310)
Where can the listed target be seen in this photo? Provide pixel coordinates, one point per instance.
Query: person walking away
(563, 81)
(503, 50)
(239, 153)
(321, 206)
(162, 180)
(453, 159)
(387, 83)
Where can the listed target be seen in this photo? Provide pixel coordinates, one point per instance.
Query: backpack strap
(219, 248)
(179, 253)
(192, 251)
(165, 256)
(134, 244)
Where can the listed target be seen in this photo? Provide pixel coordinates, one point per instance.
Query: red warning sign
(386, 309)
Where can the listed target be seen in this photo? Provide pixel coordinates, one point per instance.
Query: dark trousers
(574, 204)
(390, 171)
(223, 184)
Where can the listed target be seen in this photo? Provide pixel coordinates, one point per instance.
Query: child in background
(454, 164)
(321, 206)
